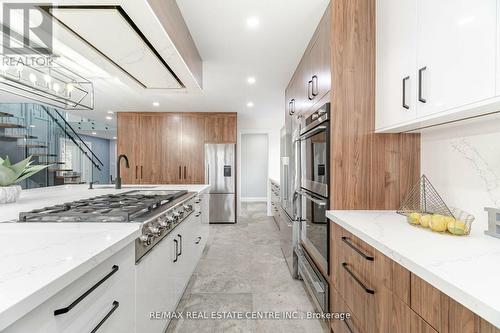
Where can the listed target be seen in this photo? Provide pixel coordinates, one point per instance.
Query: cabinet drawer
(103, 296)
(348, 325)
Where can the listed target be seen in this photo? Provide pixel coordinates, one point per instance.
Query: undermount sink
(132, 187)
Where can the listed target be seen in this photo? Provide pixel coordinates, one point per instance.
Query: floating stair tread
(28, 145)
(43, 155)
(60, 170)
(9, 125)
(19, 136)
(50, 163)
(5, 114)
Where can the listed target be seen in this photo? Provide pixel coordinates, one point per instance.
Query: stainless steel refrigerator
(220, 173)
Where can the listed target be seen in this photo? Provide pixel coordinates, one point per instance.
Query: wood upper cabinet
(193, 149)
(221, 128)
(150, 168)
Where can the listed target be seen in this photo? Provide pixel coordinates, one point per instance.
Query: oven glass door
(314, 231)
(314, 159)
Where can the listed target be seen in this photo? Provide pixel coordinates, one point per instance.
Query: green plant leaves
(11, 174)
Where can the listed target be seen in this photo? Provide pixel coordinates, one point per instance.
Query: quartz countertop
(37, 260)
(466, 268)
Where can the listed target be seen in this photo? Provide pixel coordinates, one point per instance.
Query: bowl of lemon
(458, 224)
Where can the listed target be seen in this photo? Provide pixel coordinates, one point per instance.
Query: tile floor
(243, 269)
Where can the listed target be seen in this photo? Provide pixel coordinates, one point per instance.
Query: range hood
(110, 31)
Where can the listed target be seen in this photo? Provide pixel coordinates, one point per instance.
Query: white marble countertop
(37, 260)
(465, 268)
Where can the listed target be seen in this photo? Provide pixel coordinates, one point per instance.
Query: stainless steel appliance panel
(220, 170)
(222, 208)
(314, 227)
(316, 284)
(289, 239)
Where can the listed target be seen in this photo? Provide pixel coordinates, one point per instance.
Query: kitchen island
(40, 260)
(464, 268)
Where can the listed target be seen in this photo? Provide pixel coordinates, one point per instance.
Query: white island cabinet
(102, 300)
(436, 62)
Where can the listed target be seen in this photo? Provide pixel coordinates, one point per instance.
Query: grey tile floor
(243, 269)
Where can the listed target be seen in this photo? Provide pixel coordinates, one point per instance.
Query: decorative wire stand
(423, 198)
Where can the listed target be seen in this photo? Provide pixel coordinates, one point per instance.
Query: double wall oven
(314, 194)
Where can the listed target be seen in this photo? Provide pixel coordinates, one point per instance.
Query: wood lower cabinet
(169, 148)
(384, 297)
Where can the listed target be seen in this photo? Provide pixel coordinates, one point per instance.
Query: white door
(396, 62)
(456, 48)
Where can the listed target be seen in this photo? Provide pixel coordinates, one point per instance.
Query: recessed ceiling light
(251, 80)
(94, 133)
(250, 104)
(110, 112)
(156, 104)
(109, 118)
(114, 138)
(253, 22)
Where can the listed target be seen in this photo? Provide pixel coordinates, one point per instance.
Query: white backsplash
(462, 161)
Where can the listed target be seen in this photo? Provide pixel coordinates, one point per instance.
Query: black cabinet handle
(136, 172)
(198, 240)
(309, 90)
(406, 106)
(348, 326)
(180, 172)
(198, 214)
(141, 171)
(293, 106)
(180, 244)
(358, 281)
(116, 304)
(351, 245)
(185, 172)
(57, 312)
(176, 250)
(290, 107)
(420, 84)
(315, 79)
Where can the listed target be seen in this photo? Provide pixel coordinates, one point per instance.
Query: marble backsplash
(462, 161)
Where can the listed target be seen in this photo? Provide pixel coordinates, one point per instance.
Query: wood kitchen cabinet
(220, 128)
(382, 296)
(169, 148)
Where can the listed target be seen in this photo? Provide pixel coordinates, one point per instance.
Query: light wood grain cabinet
(221, 128)
(383, 296)
(169, 148)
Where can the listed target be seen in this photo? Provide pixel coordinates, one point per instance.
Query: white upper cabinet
(396, 86)
(456, 50)
(447, 51)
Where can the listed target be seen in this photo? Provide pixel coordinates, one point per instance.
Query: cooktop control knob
(162, 223)
(146, 239)
(170, 219)
(188, 208)
(176, 215)
(154, 230)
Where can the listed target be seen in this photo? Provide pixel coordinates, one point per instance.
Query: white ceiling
(230, 50)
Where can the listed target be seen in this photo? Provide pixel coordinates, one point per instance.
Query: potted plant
(11, 174)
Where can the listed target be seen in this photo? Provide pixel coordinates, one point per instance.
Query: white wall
(254, 166)
(112, 158)
(462, 161)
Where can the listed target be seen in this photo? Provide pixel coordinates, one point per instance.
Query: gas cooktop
(124, 207)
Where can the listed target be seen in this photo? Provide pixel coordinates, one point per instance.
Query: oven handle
(312, 132)
(320, 202)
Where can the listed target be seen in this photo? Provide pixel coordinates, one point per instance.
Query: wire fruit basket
(424, 207)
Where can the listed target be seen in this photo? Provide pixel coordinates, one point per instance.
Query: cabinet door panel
(171, 143)
(193, 149)
(129, 133)
(320, 58)
(456, 44)
(396, 60)
(151, 145)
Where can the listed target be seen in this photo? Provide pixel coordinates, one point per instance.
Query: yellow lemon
(425, 221)
(457, 227)
(414, 218)
(438, 223)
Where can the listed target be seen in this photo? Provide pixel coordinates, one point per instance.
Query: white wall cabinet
(448, 49)
(113, 297)
(396, 86)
